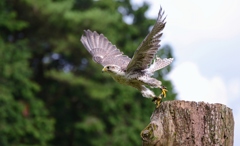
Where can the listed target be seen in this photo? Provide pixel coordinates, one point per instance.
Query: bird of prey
(136, 72)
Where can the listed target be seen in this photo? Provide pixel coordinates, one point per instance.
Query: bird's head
(112, 69)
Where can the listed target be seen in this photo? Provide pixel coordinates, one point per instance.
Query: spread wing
(145, 53)
(102, 50)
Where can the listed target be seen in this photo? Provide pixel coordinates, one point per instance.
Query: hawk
(138, 71)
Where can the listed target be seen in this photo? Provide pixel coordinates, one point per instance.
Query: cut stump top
(178, 123)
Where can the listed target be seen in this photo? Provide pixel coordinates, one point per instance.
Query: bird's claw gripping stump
(157, 100)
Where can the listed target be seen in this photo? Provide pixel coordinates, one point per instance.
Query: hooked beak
(104, 69)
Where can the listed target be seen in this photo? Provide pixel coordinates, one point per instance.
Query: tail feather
(158, 64)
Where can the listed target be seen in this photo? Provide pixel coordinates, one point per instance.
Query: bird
(137, 71)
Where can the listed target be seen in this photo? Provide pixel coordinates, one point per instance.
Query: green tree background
(51, 92)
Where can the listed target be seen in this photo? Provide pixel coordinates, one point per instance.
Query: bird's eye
(108, 67)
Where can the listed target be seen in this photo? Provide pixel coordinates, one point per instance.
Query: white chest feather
(131, 81)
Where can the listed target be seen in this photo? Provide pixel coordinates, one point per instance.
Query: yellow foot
(157, 101)
(164, 92)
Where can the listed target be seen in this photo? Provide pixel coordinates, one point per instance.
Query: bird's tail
(158, 64)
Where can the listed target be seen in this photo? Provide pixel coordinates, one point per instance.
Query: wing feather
(145, 53)
(102, 50)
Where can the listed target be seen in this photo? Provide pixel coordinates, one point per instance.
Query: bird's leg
(158, 99)
(164, 91)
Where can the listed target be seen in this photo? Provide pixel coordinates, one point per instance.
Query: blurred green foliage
(51, 92)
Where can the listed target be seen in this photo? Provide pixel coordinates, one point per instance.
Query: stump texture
(184, 123)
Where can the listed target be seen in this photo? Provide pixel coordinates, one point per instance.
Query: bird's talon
(164, 92)
(157, 101)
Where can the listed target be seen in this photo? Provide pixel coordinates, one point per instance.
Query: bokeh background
(52, 93)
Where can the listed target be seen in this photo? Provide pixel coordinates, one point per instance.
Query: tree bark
(184, 123)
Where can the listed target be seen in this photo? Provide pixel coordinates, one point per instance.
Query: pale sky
(205, 37)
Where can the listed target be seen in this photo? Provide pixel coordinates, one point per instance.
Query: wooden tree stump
(184, 123)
